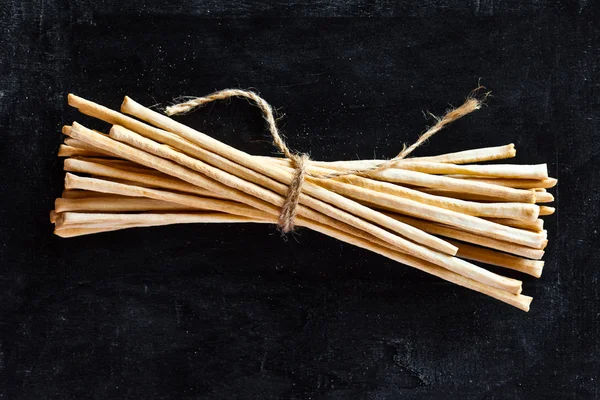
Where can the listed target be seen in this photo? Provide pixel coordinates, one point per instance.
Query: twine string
(301, 161)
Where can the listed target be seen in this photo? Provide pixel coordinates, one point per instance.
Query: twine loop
(301, 161)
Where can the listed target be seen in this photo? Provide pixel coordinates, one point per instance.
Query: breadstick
(461, 157)
(68, 151)
(459, 185)
(67, 231)
(115, 204)
(82, 194)
(505, 171)
(76, 165)
(531, 267)
(540, 197)
(100, 220)
(484, 241)
(535, 226)
(202, 203)
(546, 183)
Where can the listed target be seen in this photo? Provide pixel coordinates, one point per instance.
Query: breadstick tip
(126, 104)
(73, 100)
(53, 216)
(525, 302)
(69, 180)
(537, 270)
(512, 150)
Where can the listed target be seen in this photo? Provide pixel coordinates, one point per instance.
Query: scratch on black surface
(300, 84)
(42, 3)
(263, 361)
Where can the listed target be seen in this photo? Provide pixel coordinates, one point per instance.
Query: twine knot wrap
(302, 161)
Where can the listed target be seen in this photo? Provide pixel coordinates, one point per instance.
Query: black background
(235, 311)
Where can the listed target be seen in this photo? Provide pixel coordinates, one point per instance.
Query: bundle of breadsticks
(439, 214)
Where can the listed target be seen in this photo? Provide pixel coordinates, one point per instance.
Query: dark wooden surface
(238, 312)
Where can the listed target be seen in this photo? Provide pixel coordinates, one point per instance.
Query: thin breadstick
(519, 211)
(535, 226)
(82, 194)
(78, 144)
(484, 241)
(530, 267)
(546, 183)
(195, 202)
(475, 155)
(100, 220)
(69, 141)
(144, 185)
(206, 193)
(122, 164)
(66, 231)
(167, 182)
(461, 157)
(540, 197)
(460, 185)
(505, 171)
(461, 195)
(115, 204)
(68, 151)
